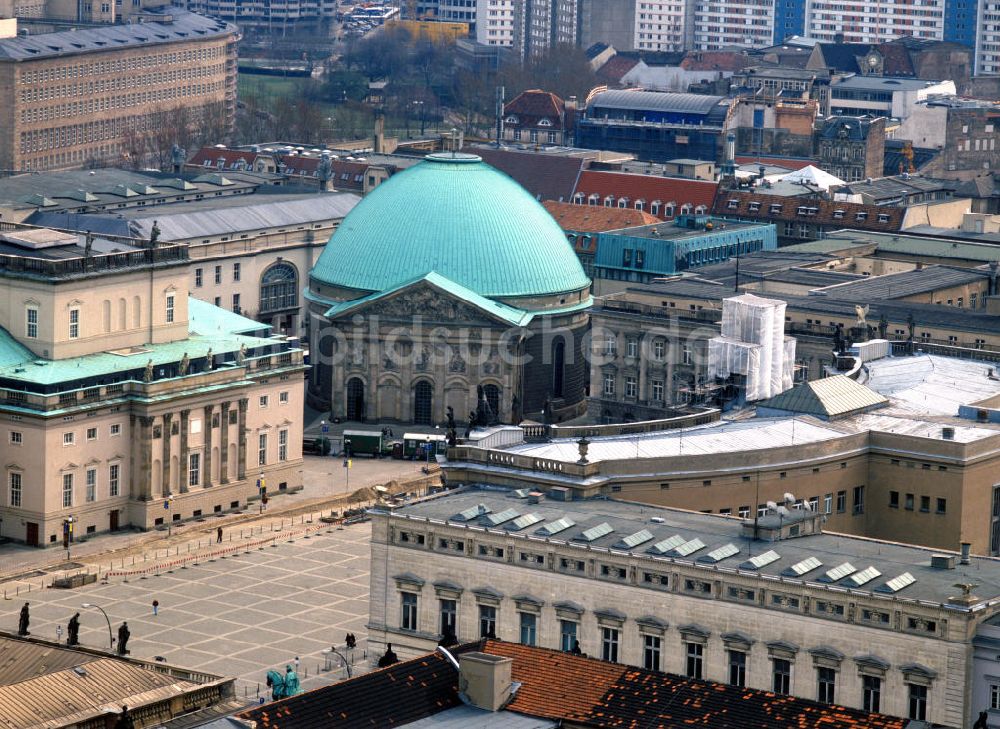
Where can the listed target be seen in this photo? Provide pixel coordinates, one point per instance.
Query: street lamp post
(340, 655)
(420, 106)
(347, 463)
(111, 639)
(169, 506)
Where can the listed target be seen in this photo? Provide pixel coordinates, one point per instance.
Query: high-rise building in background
(542, 24)
(634, 25)
(724, 23)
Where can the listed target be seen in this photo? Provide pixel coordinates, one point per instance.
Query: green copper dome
(459, 217)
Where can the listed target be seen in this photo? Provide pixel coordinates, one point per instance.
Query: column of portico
(207, 439)
(167, 423)
(185, 459)
(224, 445)
(242, 437)
(141, 481)
(644, 347)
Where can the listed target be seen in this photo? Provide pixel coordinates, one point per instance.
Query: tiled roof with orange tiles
(649, 188)
(599, 694)
(596, 218)
(213, 154)
(775, 208)
(535, 103)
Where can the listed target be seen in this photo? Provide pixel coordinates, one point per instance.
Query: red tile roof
(594, 693)
(535, 103)
(823, 212)
(616, 67)
(596, 218)
(649, 188)
(715, 61)
(231, 157)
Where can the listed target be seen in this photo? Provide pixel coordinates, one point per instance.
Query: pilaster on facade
(165, 484)
(224, 444)
(209, 439)
(242, 434)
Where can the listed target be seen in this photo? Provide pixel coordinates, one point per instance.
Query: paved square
(237, 616)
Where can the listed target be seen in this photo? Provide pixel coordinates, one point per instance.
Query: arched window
(279, 288)
(492, 393)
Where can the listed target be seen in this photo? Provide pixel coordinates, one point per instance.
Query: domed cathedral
(446, 286)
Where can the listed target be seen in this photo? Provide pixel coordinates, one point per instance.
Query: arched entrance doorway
(423, 400)
(355, 399)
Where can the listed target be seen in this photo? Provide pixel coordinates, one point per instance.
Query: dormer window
(732, 204)
(754, 207)
(544, 123)
(883, 217)
(775, 208)
(594, 199)
(510, 119)
(838, 214)
(640, 204)
(578, 198)
(654, 207)
(609, 201)
(623, 202)
(861, 216)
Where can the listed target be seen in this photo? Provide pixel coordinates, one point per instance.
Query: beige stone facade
(429, 569)
(125, 402)
(91, 102)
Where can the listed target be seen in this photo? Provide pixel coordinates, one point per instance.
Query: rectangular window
(909, 502)
(218, 274)
(69, 439)
(632, 348)
(115, 429)
(567, 635)
(236, 272)
(487, 621)
(651, 652)
(91, 484)
(917, 702)
(841, 502)
(529, 628)
(262, 449)
(942, 506)
(859, 499)
(449, 618)
(659, 349)
(925, 504)
(236, 304)
(781, 675)
(609, 644)
(14, 480)
(282, 445)
(609, 385)
(170, 308)
(737, 668)
(408, 619)
(31, 326)
(893, 499)
(91, 433)
(283, 398)
(995, 696)
(74, 323)
(113, 476)
(657, 390)
(16, 438)
(871, 694)
(828, 504)
(695, 653)
(631, 387)
(67, 499)
(194, 469)
(826, 679)
(263, 400)
(198, 277)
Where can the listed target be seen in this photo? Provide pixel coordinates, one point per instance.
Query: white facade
(495, 22)
(987, 59)
(861, 21)
(719, 24)
(659, 25)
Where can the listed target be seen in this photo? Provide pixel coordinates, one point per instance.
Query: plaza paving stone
(238, 617)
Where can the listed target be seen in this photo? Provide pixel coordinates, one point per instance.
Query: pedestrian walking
(218, 535)
(156, 607)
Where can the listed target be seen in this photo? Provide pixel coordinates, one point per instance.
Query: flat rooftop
(678, 231)
(625, 519)
(930, 385)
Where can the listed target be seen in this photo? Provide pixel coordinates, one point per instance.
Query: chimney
(485, 680)
(966, 546)
(948, 433)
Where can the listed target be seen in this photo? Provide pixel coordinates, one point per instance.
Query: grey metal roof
(907, 283)
(879, 83)
(178, 25)
(890, 558)
(657, 101)
(830, 397)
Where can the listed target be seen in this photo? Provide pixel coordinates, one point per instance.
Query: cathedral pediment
(436, 300)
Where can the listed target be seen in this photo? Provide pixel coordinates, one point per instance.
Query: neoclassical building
(447, 278)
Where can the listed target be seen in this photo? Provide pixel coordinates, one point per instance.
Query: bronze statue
(389, 658)
(73, 630)
(154, 235)
(182, 369)
(125, 720)
(123, 636)
(88, 244)
(472, 423)
(22, 624)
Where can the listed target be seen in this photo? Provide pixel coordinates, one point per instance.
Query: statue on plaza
(147, 375)
(24, 620)
(388, 658)
(283, 686)
(73, 630)
(182, 369)
(123, 636)
(291, 682)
